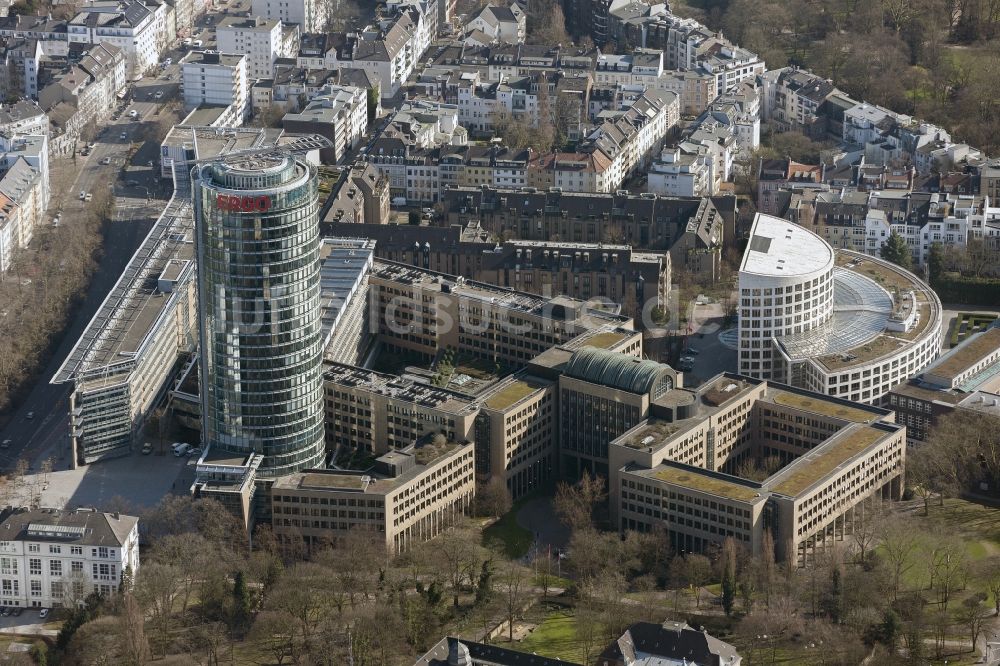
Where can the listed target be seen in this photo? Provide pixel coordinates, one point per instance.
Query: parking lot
(29, 624)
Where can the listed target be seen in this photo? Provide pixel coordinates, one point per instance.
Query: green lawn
(515, 539)
(555, 637)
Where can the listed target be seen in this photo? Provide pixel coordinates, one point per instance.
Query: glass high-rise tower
(259, 298)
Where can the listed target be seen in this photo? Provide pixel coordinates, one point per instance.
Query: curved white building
(844, 324)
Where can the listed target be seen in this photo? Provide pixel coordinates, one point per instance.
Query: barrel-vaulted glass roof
(617, 370)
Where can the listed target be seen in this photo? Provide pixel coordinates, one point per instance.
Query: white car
(44, 613)
(159, 94)
(198, 43)
(83, 195)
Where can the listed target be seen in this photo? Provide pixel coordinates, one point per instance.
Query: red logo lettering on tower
(251, 204)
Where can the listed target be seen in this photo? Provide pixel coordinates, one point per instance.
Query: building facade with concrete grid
(819, 460)
(410, 495)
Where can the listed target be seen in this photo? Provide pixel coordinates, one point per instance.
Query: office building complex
(840, 323)
(259, 292)
(409, 495)
(967, 377)
(421, 312)
(141, 338)
(820, 460)
(602, 394)
(56, 558)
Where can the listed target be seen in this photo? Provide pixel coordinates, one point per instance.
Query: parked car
(691, 351)
(88, 197)
(31, 415)
(159, 94)
(147, 448)
(6, 611)
(44, 613)
(194, 452)
(106, 161)
(5, 444)
(133, 114)
(182, 450)
(16, 611)
(197, 43)
(83, 195)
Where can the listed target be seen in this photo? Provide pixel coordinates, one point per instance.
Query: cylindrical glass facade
(259, 291)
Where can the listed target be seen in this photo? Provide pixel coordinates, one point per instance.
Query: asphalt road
(46, 433)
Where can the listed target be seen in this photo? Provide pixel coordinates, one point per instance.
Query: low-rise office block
(740, 457)
(409, 496)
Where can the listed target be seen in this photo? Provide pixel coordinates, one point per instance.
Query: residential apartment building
(24, 116)
(21, 209)
(24, 191)
(53, 558)
(500, 24)
(216, 79)
(138, 29)
(964, 378)
(390, 54)
(83, 91)
(410, 495)
(186, 16)
(633, 137)
(776, 176)
(340, 113)
(643, 220)
(886, 325)
(681, 174)
(363, 198)
(792, 98)
(261, 40)
(678, 470)
(310, 15)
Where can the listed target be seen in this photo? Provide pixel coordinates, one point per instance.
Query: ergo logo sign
(234, 204)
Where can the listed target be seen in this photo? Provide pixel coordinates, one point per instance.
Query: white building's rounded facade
(786, 286)
(845, 324)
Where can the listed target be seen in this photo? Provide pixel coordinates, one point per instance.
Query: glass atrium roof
(861, 309)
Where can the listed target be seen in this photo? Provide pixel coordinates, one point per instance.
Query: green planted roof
(616, 370)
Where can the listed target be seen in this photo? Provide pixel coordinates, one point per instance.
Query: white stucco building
(139, 30)
(309, 15)
(217, 79)
(259, 38)
(50, 557)
(845, 324)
